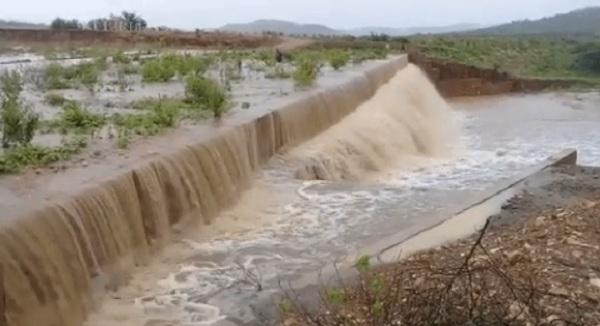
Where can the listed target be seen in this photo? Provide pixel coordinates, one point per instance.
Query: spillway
(201, 232)
(57, 255)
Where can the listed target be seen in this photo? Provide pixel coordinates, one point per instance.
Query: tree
(133, 22)
(59, 23)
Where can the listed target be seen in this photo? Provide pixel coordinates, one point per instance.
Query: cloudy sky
(335, 13)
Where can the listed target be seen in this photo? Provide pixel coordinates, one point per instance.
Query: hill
(413, 30)
(581, 21)
(280, 26)
(18, 24)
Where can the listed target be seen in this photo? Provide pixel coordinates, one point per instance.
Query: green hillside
(581, 21)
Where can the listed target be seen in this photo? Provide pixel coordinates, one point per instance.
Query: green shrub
(155, 71)
(121, 57)
(206, 93)
(338, 59)
(17, 158)
(307, 70)
(19, 123)
(55, 99)
(128, 69)
(162, 115)
(278, 72)
(74, 116)
(59, 77)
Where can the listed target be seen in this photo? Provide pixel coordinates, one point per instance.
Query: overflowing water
(401, 162)
(225, 276)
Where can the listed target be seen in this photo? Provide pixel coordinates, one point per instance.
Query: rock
(514, 257)
(245, 105)
(595, 282)
(84, 164)
(38, 171)
(97, 153)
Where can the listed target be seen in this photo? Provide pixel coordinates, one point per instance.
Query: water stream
(285, 227)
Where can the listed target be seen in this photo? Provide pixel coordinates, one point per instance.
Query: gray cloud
(335, 13)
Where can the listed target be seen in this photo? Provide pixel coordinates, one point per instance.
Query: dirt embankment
(178, 39)
(535, 263)
(456, 79)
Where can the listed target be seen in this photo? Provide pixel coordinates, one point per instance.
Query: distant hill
(280, 26)
(413, 30)
(17, 24)
(581, 21)
(291, 28)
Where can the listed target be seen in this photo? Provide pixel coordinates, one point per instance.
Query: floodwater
(284, 227)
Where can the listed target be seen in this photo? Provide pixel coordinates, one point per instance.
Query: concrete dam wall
(56, 257)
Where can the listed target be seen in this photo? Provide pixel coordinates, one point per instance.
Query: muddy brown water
(281, 227)
(301, 226)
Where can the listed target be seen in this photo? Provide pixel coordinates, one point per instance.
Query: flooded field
(284, 228)
(109, 101)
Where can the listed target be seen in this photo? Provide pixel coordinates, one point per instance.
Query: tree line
(129, 21)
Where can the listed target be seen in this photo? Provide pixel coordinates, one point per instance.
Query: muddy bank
(456, 79)
(534, 263)
(176, 39)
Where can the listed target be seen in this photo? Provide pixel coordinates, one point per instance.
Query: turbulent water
(406, 118)
(401, 162)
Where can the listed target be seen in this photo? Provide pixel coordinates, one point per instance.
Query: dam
(201, 229)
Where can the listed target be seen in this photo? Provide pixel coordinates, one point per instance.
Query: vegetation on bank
(207, 82)
(538, 271)
(539, 57)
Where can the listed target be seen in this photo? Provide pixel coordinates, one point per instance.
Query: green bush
(206, 93)
(164, 68)
(161, 115)
(307, 70)
(128, 69)
(59, 77)
(15, 159)
(19, 123)
(155, 71)
(76, 117)
(338, 59)
(55, 99)
(121, 57)
(278, 72)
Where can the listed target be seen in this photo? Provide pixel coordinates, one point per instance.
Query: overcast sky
(334, 13)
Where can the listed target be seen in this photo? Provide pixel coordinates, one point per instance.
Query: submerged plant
(206, 93)
(307, 70)
(74, 116)
(19, 122)
(338, 59)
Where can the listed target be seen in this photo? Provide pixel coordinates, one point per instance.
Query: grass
(167, 67)
(15, 159)
(537, 57)
(86, 74)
